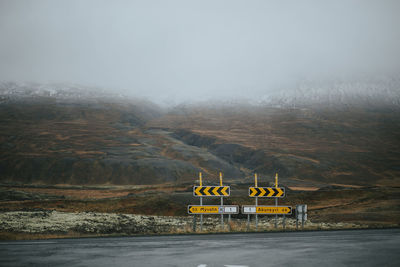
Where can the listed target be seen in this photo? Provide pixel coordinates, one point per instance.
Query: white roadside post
(301, 214)
(298, 207)
(304, 216)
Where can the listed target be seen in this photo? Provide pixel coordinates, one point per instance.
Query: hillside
(349, 145)
(63, 135)
(56, 137)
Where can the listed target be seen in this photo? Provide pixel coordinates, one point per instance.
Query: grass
(379, 204)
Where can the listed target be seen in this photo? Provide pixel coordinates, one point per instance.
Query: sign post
(255, 185)
(194, 223)
(256, 192)
(248, 222)
(211, 191)
(201, 203)
(222, 201)
(304, 216)
(276, 200)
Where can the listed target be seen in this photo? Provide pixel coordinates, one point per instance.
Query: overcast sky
(197, 49)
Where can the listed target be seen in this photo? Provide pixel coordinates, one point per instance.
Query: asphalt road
(323, 248)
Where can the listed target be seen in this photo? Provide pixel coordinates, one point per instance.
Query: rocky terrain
(38, 211)
(53, 222)
(65, 224)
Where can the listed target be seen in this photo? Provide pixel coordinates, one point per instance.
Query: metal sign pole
(284, 222)
(222, 201)
(255, 185)
(256, 214)
(222, 215)
(276, 216)
(276, 200)
(201, 215)
(248, 222)
(201, 203)
(297, 217)
(194, 223)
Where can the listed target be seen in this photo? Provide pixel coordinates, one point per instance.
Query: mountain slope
(63, 139)
(63, 135)
(353, 145)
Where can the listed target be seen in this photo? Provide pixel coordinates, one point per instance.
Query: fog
(172, 51)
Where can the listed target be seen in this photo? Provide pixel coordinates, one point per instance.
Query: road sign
(199, 209)
(301, 208)
(301, 212)
(211, 191)
(266, 191)
(267, 210)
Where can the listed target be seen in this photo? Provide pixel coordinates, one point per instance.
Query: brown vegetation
(377, 205)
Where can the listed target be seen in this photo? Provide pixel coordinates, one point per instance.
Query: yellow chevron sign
(211, 191)
(267, 210)
(266, 191)
(199, 209)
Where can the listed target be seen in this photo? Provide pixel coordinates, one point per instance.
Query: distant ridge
(65, 134)
(375, 92)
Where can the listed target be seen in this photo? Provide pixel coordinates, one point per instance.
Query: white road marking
(202, 265)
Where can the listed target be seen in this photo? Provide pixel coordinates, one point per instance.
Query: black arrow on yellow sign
(267, 192)
(211, 191)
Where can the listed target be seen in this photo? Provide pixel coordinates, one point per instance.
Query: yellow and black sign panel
(211, 191)
(200, 209)
(267, 191)
(267, 210)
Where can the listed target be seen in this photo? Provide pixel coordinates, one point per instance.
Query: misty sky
(197, 49)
